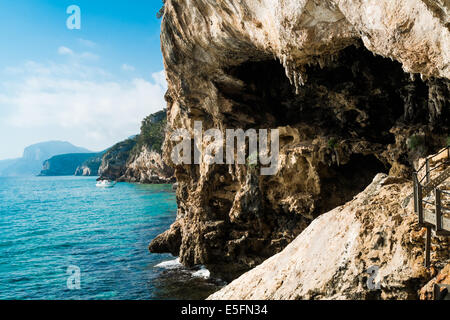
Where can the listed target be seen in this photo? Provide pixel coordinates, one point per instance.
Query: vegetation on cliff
(115, 159)
(152, 133)
(138, 159)
(91, 166)
(160, 12)
(67, 164)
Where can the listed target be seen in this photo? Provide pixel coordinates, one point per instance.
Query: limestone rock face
(147, 166)
(90, 167)
(426, 293)
(84, 171)
(139, 158)
(332, 258)
(347, 82)
(123, 164)
(115, 159)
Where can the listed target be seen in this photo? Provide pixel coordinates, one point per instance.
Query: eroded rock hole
(338, 132)
(341, 183)
(355, 95)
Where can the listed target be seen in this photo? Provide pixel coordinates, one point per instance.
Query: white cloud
(87, 43)
(160, 79)
(64, 51)
(80, 98)
(88, 55)
(72, 70)
(127, 67)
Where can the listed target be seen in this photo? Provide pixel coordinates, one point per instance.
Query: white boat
(105, 184)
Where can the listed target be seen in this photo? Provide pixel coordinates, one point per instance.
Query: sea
(62, 238)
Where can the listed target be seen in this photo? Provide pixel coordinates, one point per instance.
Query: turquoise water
(49, 224)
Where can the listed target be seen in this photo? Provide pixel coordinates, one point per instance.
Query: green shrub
(416, 143)
(332, 143)
(448, 141)
(252, 160)
(152, 132)
(160, 13)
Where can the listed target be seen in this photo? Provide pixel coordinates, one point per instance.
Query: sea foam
(202, 273)
(172, 264)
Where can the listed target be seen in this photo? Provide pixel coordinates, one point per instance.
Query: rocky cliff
(114, 161)
(355, 87)
(71, 164)
(139, 159)
(147, 166)
(333, 257)
(91, 166)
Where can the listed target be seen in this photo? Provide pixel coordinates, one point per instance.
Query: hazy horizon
(55, 140)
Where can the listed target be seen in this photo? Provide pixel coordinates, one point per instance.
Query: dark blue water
(49, 224)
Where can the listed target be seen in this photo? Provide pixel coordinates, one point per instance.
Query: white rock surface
(330, 259)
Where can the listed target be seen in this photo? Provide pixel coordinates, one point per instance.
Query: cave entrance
(354, 96)
(341, 183)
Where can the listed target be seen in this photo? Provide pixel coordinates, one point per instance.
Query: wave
(199, 272)
(170, 265)
(202, 273)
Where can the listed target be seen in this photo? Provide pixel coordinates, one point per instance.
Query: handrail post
(427, 168)
(415, 180)
(428, 247)
(420, 204)
(438, 210)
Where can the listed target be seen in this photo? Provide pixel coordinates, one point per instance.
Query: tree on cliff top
(160, 13)
(152, 132)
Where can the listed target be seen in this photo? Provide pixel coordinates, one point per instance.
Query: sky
(90, 86)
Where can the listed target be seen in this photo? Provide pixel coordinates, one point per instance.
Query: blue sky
(91, 87)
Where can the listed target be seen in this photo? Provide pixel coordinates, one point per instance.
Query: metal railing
(429, 218)
(426, 165)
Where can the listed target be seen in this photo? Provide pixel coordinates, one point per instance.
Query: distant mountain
(34, 156)
(70, 164)
(46, 150)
